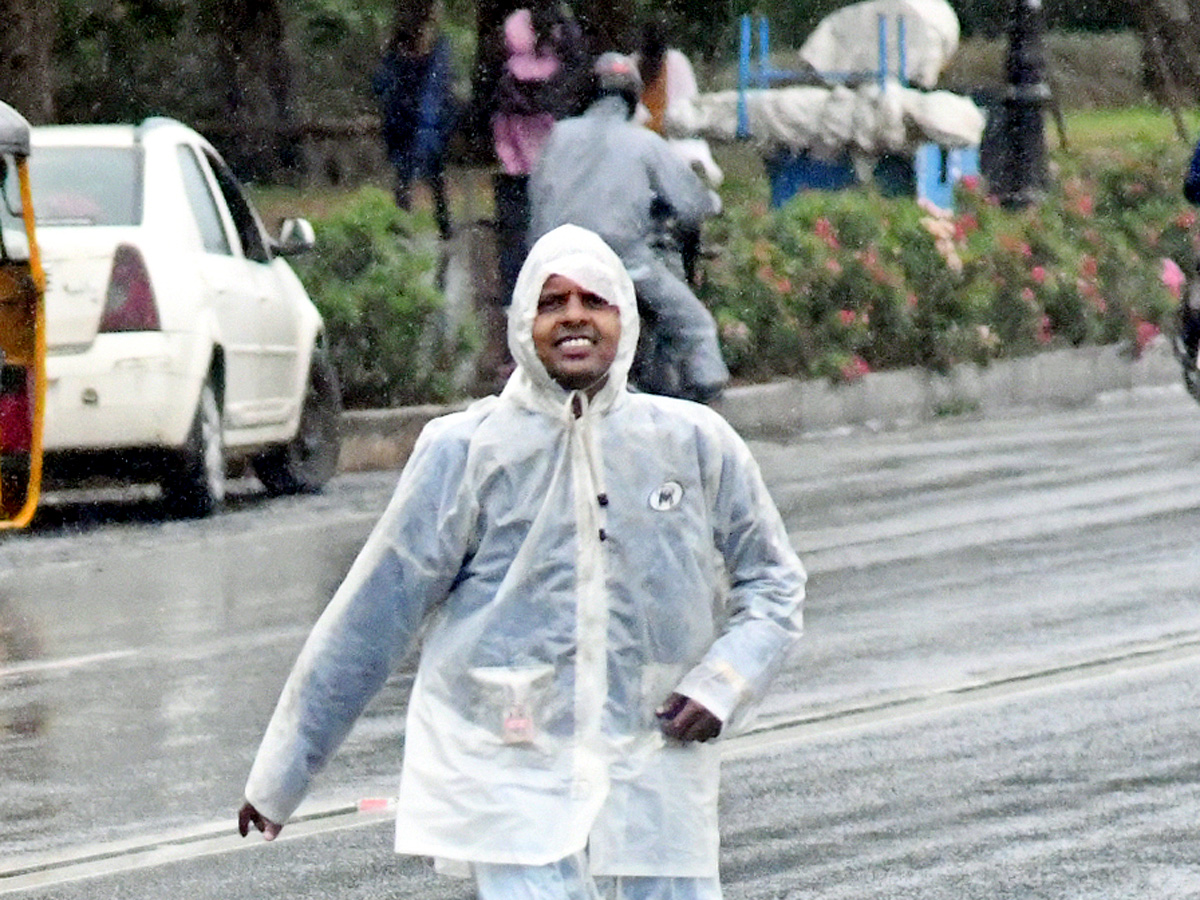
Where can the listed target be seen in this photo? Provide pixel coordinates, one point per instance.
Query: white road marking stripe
(215, 838)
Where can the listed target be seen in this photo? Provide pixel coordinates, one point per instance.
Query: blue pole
(883, 50)
(764, 51)
(743, 116)
(903, 49)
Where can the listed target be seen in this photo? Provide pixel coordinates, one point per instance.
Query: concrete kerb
(383, 439)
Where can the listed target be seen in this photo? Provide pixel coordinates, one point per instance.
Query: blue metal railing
(763, 75)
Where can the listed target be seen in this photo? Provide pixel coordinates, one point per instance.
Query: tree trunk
(1170, 32)
(26, 40)
(252, 57)
(489, 59)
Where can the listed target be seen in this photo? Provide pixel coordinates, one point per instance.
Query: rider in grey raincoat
(605, 173)
(570, 559)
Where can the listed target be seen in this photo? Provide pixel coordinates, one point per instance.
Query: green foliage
(839, 284)
(371, 276)
(108, 61)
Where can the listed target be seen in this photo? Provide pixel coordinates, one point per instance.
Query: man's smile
(573, 341)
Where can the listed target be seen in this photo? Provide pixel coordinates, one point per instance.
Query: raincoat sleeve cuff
(716, 685)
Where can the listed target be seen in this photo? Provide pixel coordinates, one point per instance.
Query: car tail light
(129, 304)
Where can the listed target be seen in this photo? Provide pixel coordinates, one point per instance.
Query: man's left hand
(683, 719)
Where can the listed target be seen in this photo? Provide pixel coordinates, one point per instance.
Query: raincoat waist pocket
(511, 701)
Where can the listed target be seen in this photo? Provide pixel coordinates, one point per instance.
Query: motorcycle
(656, 365)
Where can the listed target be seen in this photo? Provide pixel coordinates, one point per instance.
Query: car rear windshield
(85, 186)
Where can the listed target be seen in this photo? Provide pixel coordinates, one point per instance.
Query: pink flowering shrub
(840, 284)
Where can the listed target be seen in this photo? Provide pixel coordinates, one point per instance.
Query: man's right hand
(248, 816)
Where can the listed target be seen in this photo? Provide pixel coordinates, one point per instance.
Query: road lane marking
(79, 863)
(45, 666)
(787, 730)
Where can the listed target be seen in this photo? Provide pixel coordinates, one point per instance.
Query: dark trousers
(436, 179)
(511, 197)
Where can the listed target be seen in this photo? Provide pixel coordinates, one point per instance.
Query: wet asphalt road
(996, 697)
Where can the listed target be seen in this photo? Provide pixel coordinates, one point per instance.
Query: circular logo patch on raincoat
(667, 496)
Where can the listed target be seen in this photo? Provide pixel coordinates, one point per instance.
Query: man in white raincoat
(601, 581)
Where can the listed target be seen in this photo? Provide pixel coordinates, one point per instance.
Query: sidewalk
(382, 439)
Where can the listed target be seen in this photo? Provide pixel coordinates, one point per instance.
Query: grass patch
(1099, 130)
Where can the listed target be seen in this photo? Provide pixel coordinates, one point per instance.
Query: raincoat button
(602, 499)
(603, 535)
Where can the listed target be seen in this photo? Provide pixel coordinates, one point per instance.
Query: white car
(180, 342)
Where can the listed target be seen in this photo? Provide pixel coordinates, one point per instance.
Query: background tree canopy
(259, 69)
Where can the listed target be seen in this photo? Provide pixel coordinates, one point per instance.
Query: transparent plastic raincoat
(568, 564)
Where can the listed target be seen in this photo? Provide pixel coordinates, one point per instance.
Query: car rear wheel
(305, 463)
(194, 483)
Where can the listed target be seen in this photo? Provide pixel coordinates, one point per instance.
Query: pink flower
(847, 317)
(855, 369)
(1089, 267)
(970, 183)
(964, 225)
(1028, 295)
(1186, 220)
(1045, 332)
(1038, 274)
(1173, 278)
(833, 266)
(1091, 293)
(825, 231)
(1144, 334)
(736, 332)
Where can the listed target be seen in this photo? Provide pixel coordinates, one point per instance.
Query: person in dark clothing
(414, 87)
(1189, 304)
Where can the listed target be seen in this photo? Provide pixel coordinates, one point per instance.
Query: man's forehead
(557, 285)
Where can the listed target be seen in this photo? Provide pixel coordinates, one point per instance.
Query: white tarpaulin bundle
(825, 121)
(847, 40)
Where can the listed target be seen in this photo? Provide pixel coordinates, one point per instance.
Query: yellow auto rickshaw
(22, 330)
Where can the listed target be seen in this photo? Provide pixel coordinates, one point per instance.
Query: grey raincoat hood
(564, 570)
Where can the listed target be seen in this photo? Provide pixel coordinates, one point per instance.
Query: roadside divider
(382, 439)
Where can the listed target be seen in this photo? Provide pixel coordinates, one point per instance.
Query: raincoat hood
(586, 259)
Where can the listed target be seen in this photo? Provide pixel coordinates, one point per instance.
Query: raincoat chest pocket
(510, 701)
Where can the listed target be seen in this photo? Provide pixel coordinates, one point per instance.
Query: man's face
(575, 333)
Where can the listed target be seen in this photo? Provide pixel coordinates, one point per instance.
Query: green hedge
(839, 284)
(832, 285)
(372, 275)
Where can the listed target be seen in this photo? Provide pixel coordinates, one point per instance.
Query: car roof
(111, 135)
(14, 131)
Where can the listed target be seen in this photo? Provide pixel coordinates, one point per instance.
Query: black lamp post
(1024, 177)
